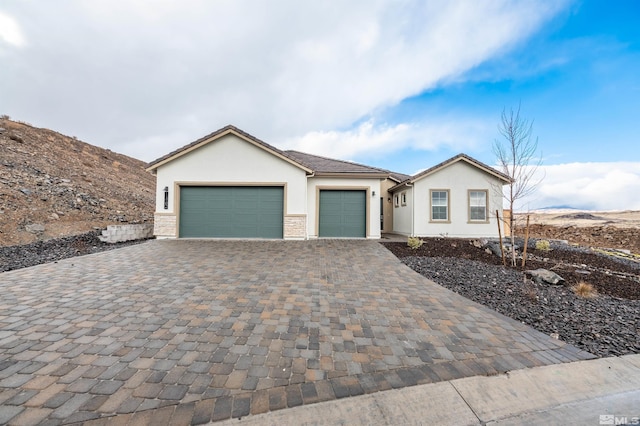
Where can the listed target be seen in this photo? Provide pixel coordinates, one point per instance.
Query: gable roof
(460, 157)
(152, 166)
(330, 166)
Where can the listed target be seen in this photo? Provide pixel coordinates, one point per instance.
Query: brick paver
(178, 332)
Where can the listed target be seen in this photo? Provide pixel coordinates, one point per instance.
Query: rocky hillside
(52, 185)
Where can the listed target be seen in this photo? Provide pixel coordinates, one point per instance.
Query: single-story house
(230, 184)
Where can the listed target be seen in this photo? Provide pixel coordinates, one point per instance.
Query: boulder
(544, 276)
(35, 228)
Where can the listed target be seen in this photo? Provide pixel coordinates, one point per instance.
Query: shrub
(414, 243)
(543, 245)
(584, 289)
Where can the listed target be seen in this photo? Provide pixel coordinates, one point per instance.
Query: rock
(54, 216)
(541, 276)
(25, 191)
(15, 137)
(494, 248)
(35, 228)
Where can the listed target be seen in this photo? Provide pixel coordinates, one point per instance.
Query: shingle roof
(399, 177)
(459, 157)
(330, 165)
(219, 132)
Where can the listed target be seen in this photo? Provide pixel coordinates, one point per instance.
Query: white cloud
(371, 139)
(589, 186)
(10, 31)
(125, 74)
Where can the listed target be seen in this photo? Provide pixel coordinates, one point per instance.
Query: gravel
(602, 325)
(23, 256)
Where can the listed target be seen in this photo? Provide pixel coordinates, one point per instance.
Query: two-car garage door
(231, 211)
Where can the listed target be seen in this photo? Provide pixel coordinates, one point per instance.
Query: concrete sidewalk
(572, 393)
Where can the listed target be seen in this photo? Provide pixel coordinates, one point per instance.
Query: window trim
(403, 198)
(486, 206)
(431, 219)
(396, 200)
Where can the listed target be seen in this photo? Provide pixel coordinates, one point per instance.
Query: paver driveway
(192, 331)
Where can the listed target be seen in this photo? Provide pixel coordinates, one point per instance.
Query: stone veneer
(164, 225)
(295, 227)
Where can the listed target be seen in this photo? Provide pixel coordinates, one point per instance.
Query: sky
(401, 85)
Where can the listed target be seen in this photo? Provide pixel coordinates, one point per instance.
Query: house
(457, 198)
(230, 184)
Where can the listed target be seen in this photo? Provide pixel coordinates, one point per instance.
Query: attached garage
(343, 213)
(231, 212)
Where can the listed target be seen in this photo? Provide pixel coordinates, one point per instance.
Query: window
(440, 205)
(477, 206)
(403, 198)
(396, 200)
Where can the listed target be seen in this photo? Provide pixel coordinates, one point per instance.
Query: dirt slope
(619, 230)
(52, 185)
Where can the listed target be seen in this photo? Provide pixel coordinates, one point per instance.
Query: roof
(326, 166)
(399, 177)
(217, 135)
(460, 157)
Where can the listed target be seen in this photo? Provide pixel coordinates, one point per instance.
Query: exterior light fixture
(373, 193)
(166, 198)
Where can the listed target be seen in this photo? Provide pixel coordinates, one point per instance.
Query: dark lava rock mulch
(16, 257)
(603, 325)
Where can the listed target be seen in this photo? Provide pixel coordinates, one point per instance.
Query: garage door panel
(231, 212)
(342, 213)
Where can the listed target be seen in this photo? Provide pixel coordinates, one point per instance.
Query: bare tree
(516, 156)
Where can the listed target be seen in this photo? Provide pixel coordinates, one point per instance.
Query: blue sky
(577, 79)
(398, 85)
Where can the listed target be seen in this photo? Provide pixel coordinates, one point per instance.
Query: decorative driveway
(179, 332)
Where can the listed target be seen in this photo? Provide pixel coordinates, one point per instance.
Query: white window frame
(447, 206)
(486, 205)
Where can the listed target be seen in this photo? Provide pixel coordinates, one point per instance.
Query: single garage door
(342, 214)
(231, 211)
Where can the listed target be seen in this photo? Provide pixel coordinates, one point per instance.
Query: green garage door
(343, 214)
(231, 212)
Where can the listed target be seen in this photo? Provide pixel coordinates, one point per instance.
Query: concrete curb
(572, 393)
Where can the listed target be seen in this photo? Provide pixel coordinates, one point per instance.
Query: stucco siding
(458, 179)
(315, 184)
(228, 161)
(387, 204)
(402, 211)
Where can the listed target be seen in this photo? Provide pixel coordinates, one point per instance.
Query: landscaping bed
(23, 256)
(607, 324)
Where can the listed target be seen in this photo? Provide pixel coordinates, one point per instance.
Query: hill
(52, 185)
(612, 229)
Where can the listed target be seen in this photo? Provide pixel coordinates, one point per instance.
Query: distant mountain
(562, 207)
(53, 185)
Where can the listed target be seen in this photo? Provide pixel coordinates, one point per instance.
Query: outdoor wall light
(373, 193)
(388, 199)
(166, 198)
